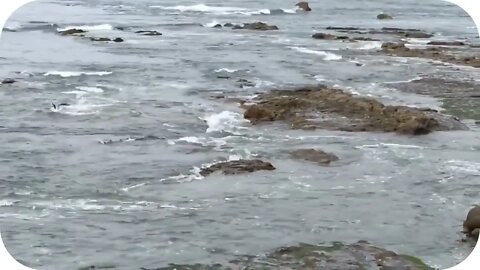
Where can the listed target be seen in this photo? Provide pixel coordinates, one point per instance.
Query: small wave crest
(98, 27)
(327, 56)
(217, 10)
(67, 74)
(225, 121)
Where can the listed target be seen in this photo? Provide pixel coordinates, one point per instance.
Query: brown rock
(238, 167)
(317, 156)
(73, 31)
(324, 36)
(303, 6)
(259, 26)
(332, 109)
(471, 225)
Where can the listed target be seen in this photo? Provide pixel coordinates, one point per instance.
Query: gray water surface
(77, 189)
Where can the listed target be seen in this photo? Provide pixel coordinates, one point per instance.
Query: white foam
(90, 89)
(98, 27)
(211, 24)
(6, 203)
(67, 74)
(327, 56)
(78, 94)
(390, 145)
(224, 121)
(83, 107)
(219, 10)
(369, 45)
(226, 70)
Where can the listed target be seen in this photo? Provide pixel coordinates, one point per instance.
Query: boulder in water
(148, 33)
(73, 31)
(238, 167)
(384, 16)
(9, 81)
(303, 6)
(313, 155)
(471, 225)
(259, 26)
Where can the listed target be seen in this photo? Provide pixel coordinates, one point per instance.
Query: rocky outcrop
(446, 43)
(471, 225)
(303, 6)
(238, 167)
(148, 33)
(384, 16)
(317, 156)
(71, 32)
(322, 107)
(406, 33)
(258, 26)
(358, 256)
(433, 53)
(325, 36)
(102, 39)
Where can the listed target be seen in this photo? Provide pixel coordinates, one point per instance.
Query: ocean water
(113, 178)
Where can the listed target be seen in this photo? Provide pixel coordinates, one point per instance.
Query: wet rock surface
(446, 43)
(71, 32)
(471, 225)
(321, 107)
(313, 155)
(303, 6)
(459, 97)
(325, 36)
(238, 167)
(384, 16)
(258, 26)
(399, 32)
(433, 53)
(358, 256)
(148, 33)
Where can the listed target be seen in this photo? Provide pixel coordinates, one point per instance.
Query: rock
(471, 225)
(332, 109)
(238, 167)
(303, 6)
(148, 33)
(217, 26)
(324, 36)
(317, 156)
(228, 25)
(384, 16)
(337, 256)
(9, 81)
(417, 35)
(100, 39)
(70, 32)
(433, 53)
(446, 43)
(118, 40)
(259, 26)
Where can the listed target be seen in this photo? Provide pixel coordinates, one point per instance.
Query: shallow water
(113, 179)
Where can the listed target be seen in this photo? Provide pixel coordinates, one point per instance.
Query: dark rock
(343, 28)
(148, 33)
(303, 6)
(417, 35)
(332, 109)
(242, 83)
(384, 16)
(317, 156)
(238, 167)
(100, 39)
(9, 81)
(471, 225)
(324, 36)
(70, 32)
(118, 40)
(228, 25)
(259, 26)
(446, 43)
(338, 256)
(217, 26)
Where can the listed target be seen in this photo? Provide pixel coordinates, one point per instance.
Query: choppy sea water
(113, 179)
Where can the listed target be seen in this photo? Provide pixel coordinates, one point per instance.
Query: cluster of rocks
(326, 36)
(405, 33)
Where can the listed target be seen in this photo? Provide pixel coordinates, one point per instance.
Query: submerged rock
(259, 26)
(238, 167)
(148, 33)
(332, 109)
(102, 39)
(73, 31)
(324, 36)
(317, 156)
(303, 6)
(446, 43)
(471, 225)
(358, 256)
(9, 81)
(384, 16)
